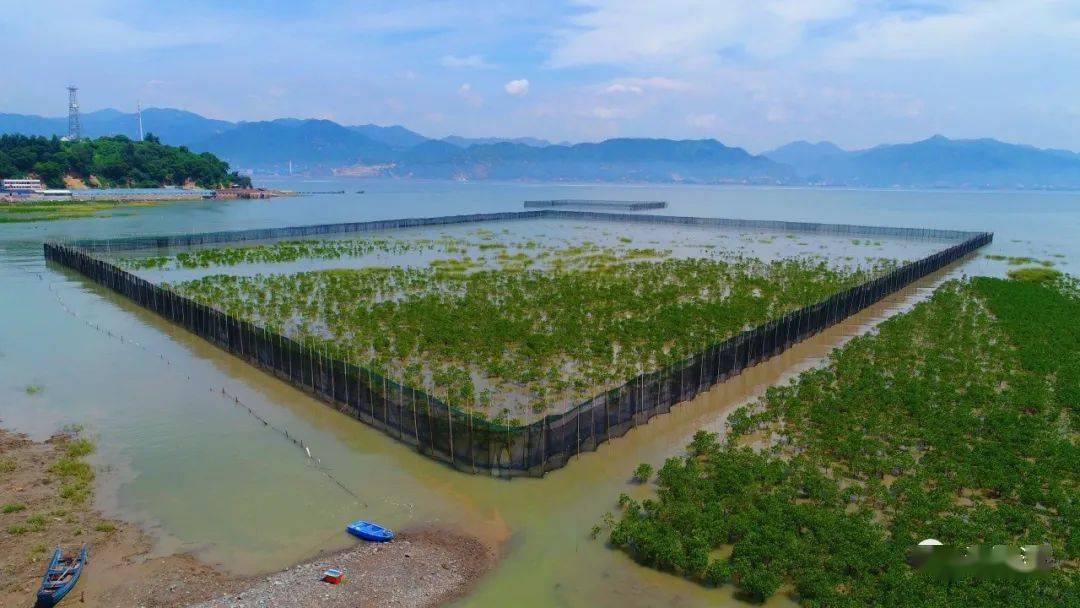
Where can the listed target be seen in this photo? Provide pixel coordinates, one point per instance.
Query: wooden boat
(60, 577)
(369, 531)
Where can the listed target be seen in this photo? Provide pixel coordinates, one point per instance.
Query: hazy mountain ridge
(177, 127)
(934, 162)
(394, 136)
(465, 142)
(305, 143)
(314, 145)
(697, 161)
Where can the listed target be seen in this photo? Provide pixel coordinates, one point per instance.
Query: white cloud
(471, 61)
(695, 35)
(471, 97)
(968, 29)
(517, 88)
(619, 87)
(703, 121)
(689, 33)
(605, 112)
(637, 86)
(754, 74)
(776, 114)
(856, 72)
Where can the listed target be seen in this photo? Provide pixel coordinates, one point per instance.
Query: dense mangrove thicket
(955, 421)
(519, 327)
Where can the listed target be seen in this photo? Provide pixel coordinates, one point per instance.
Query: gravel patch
(418, 569)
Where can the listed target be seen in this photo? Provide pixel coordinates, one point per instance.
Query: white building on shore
(21, 186)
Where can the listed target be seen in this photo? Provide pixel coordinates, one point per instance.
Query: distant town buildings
(21, 186)
(29, 189)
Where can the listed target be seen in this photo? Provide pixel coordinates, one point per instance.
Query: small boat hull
(60, 577)
(369, 531)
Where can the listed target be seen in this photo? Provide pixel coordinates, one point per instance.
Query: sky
(753, 74)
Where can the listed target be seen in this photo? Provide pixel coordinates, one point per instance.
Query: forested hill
(112, 162)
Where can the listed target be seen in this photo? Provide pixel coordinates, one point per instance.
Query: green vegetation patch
(1018, 260)
(45, 211)
(946, 423)
(107, 527)
(1034, 274)
(114, 161)
(285, 251)
(525, 328)
(36, 523)
(76, 475)
(1047, 341)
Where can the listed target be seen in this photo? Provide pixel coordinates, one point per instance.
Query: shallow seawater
(203, 474)
(418, 247)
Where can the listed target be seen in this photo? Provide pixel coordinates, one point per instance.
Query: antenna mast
(74, 124)
(139, 106)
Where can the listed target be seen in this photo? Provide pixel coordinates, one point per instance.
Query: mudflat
(38, 510)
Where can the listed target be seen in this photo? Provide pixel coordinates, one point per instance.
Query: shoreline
(39, 209)
(423, 567)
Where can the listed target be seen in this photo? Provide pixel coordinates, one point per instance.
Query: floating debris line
(306, 447)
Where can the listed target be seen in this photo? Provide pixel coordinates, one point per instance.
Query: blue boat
(369, 531)
(60, 577)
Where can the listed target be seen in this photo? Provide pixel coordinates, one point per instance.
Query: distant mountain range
(323, 146)
(612, 160)
(175, 127)
(465, 142)
(934, 162)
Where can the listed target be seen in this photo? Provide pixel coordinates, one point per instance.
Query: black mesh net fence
(455, 435)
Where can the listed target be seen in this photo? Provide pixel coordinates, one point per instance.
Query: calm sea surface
(203, 475)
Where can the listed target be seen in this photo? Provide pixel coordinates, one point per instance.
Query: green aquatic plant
(287, 251)
(1034, 274)
(538, 330)
(1047, 342)
(1018, 260)
(949, 422)
(75, 474)
(643, 472)
(46, 211)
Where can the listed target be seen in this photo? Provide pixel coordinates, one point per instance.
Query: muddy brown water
(202, 474)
